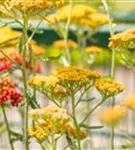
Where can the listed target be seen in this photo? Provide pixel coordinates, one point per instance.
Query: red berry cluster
(8, 92)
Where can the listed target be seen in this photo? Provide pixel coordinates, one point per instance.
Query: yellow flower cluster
(61, 44)
(49, 120)
(43, 82)
(108, 87)
(8, 36)
(31, 6)
(53, 120)
(123, 39)
(63, 80)
(60, 92)
(94, 20)
(129, 102)
(9, 39)
(38, 131)
(93, 50)
(80, 14)
(112, 115)
(75, 74)
(78, 11)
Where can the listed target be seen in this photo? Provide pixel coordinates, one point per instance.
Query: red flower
(5, 64)
(8, 92)
(18, 59)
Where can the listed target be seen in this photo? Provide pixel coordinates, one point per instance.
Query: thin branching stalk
(93, 109)
(8, 129)
(26, 106)
(112, 73)
(83, 93)
(75, 121)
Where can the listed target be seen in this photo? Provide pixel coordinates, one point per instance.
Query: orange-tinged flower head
(73, 131)
(123, 40)
(93, 50)
(129, 102)
(112, 115)
(62, 45)
(37, 49)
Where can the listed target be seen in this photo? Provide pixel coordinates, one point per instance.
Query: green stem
(53, 143)
(112, 74)
(34, 73)
(92, 110)
(75, 121)
(42, 146)
(26, 107)
(8, 129)
(67, 33)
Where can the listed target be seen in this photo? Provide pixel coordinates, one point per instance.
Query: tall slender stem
(112, 73)
(26, 106)
(8, 129)
(67, 33)
(75, 121)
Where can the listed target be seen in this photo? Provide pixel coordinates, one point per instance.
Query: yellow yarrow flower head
(81, 14)
(93, 50)
(78, 11)
(43, 82)
(108, 87)
(49, 85)
(8, 36)
(129, 102)
(94, 20)
(124, 43)
(54, 112)
(73, 131)
(112, 115)
(123, 40)
(61, 44)
(75, 77)
(39, 131)
(52, 120)
(33, 6)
